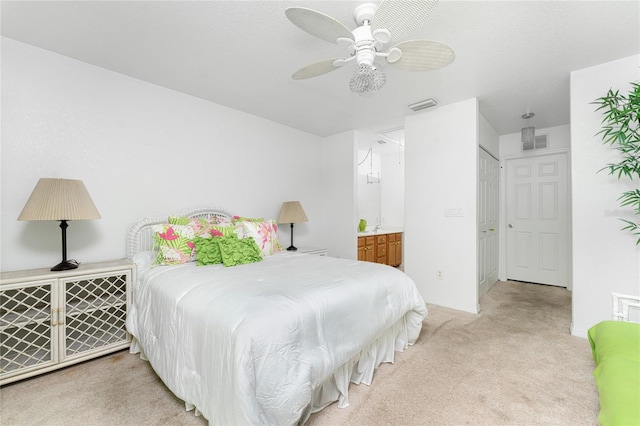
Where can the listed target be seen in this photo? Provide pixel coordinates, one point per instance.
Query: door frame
(502, 243)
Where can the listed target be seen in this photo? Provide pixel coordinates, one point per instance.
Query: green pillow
(237, 251)
(207, 251)
(616, 351)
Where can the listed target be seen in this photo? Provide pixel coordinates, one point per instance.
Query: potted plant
(621, 130)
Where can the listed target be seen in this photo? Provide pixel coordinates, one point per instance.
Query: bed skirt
(359, 369)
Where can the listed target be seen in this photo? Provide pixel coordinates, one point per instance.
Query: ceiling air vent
(427, 103)
(540, 142)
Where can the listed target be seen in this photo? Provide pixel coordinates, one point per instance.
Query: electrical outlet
(439, 274)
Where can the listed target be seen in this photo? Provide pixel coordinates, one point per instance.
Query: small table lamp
(60, 199)
(292, 212)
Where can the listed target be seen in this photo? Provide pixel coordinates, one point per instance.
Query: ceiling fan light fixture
(364, 13)
(394, 55)
(378, 23)
(367, 79)
(382, 35)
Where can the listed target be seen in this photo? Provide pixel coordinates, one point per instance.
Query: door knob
(511, 225)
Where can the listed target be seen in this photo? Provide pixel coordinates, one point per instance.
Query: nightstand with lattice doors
(49, 320)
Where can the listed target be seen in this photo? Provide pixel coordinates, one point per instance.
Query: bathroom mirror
(381, 179)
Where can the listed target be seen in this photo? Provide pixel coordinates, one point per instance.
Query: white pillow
(144, 260)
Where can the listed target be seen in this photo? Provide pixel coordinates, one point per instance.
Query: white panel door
(537, 219)
(488, 186)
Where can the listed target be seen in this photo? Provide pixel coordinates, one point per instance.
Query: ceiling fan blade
(317, 69)
(318, 24)
(423, 55)
(400, 17)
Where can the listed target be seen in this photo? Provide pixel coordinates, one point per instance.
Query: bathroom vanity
(381, 246)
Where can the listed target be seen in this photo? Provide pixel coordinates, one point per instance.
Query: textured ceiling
(514, 56)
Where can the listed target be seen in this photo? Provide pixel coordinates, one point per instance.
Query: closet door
(488, 204)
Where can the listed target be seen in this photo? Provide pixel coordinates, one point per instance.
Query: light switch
(453, 212)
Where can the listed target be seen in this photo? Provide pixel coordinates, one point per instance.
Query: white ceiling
(514, 56)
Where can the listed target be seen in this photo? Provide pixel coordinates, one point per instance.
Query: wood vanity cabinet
(394, 251)
(366, 249)
(381, 249)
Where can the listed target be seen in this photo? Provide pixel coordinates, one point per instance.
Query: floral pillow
(238, 251)
(238, 219)
(225, 230)
(199, 225)
(174, 243)
(264, 233)
(220, 220)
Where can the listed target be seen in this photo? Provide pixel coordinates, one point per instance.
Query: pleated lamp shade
(59, 199)
(292, 212)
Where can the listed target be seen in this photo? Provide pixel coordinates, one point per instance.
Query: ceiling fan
(376, 26)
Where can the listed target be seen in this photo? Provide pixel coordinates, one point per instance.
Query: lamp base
(292, 248)
(65, 265)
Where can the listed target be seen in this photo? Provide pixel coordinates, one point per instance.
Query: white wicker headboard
(140, 234)
(621, 305)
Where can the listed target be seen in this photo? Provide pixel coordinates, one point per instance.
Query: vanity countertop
(382, 231)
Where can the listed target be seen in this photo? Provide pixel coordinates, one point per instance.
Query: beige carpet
(515, 363)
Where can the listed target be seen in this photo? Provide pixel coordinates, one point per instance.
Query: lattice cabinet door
(52, 319)
(28, 332)
(95, 308)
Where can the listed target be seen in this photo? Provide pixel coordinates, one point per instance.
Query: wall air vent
(541, 142)
(427, 103)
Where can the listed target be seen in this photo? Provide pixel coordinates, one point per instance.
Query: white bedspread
(252, 344)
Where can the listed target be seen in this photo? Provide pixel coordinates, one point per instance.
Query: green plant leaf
(621, 129)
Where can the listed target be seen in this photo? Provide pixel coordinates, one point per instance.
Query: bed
(266, 342)
(616, 350)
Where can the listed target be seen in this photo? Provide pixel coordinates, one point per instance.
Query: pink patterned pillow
(174, 243)
(198, 225)
(220, 220)
(264, 233)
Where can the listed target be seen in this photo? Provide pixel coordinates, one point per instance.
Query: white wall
(605, 259)
(441, 168)
(141, 150)
(339, 186)
(392, 190)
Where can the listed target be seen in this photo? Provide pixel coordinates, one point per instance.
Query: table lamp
(63, 200)
(292, 212)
